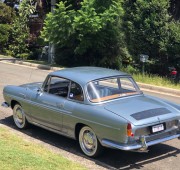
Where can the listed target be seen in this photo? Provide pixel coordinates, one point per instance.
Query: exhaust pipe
(5, 104)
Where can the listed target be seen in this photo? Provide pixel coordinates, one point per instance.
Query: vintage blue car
(99, 107)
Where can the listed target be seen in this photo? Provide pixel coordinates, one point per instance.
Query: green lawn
(18, 154)
(156, 80)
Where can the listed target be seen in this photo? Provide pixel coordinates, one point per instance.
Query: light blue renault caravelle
(99, 107)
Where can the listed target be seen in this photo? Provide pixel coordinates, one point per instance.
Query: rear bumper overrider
(142, 146)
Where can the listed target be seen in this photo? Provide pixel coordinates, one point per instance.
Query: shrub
(90, 35)
(4, 36)
(7, 16)
(20, 31)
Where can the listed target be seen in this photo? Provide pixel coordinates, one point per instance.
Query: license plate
(157, 128)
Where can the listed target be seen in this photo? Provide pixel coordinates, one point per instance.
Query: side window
(46, 85)
(57, 86)
(127, 85)
(76, 92)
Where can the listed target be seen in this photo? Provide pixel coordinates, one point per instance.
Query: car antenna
(30, 76)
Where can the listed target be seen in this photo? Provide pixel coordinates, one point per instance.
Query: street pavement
(164, 156)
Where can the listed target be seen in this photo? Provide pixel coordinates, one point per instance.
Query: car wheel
(19, 117)
(88, 142)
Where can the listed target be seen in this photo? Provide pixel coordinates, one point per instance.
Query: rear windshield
(111, 88)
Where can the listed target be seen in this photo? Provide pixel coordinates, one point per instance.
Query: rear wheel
(88, 142)
(19, 117)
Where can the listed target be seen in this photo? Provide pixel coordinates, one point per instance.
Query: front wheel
(19, 117)
(88, 142)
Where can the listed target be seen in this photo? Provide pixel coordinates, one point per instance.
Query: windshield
(111, 88)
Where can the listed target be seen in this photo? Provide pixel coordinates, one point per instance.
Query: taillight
(129, 130)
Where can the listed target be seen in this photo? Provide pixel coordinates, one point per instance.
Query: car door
(48, 103)
(75, 100)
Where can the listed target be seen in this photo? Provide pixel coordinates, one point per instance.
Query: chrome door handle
(60, 105)
(23, 95)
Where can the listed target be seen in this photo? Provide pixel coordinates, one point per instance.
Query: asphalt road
(173, 99)
(164, 156)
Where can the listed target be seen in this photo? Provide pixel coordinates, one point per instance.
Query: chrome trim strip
(57, 110)
(127, 147)
(5, 104)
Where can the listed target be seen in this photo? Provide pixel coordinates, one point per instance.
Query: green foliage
(6, 18)
(129, 69)
(4, 35)
(88, 36)
(6, 14)
(20, 31)
(146, 26)
(174, 40)
(89, 32)
(150, 30)
(58, 26)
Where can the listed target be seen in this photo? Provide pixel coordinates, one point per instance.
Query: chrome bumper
(142, 146)
(5, 104)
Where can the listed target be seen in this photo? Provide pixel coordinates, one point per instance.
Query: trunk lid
(142, 110)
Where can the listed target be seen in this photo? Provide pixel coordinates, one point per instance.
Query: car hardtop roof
(83, 75)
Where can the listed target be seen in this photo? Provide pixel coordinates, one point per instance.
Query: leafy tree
(20, 30)
(87, 33)
(175, 9)
(6, 18)
(150, 30)
(173, 46)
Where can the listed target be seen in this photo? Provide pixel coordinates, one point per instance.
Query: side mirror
(39, 90)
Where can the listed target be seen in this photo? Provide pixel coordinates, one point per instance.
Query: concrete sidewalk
(158, 89)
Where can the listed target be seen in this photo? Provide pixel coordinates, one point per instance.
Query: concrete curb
(158, 89)
(39, 66)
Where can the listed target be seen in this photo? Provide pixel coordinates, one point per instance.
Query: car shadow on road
(110, 159)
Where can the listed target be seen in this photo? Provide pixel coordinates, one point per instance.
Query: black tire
(19, 117)
(89, 143)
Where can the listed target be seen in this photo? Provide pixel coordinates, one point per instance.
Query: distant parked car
(99, 107)
(174, 74)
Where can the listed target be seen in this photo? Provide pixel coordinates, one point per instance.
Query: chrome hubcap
(88, 141)
(18, 116)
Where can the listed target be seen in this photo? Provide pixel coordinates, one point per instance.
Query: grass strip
(18, 154)
(156, 80)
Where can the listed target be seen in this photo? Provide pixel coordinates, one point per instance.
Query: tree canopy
(20, 31)
(151, 30)
(6, 18)
(102, 33)
(87, 33)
